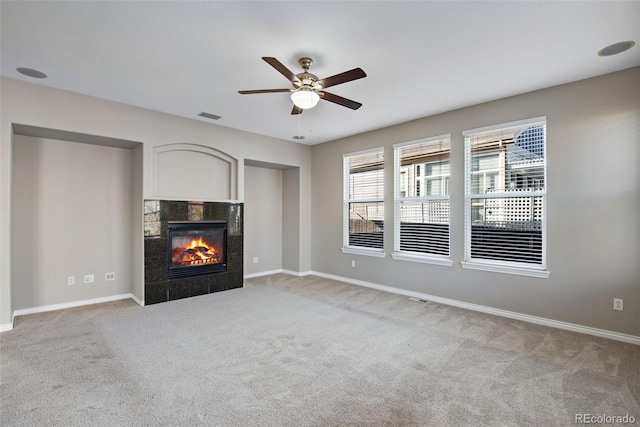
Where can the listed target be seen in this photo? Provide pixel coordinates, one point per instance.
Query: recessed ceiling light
(32, 73)
(616, 48)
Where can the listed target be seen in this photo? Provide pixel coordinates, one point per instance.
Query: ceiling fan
(308, 89)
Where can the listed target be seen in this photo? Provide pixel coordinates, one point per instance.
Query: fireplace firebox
(196, 247)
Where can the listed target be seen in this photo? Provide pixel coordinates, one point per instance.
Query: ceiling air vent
(209, 116)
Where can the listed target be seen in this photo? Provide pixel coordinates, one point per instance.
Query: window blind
(364, 199)
(421, 219)
(505, 190)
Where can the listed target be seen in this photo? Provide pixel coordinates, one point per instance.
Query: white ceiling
(421, 57)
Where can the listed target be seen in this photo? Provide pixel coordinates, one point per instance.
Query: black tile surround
(157, 287)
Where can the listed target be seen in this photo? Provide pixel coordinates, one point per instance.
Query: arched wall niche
(194, 172)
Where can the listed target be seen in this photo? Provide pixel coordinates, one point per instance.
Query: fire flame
(194, 253)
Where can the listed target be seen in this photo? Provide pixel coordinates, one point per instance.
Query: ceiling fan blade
(340, 100)
(296, 110)
(281, 68)
(347, 76)
(247, 92)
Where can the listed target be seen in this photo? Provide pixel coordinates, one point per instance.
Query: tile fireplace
(191, 248)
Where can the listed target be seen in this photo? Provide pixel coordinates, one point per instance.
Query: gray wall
(137, 203)
(593, 205)
(57, 112)
(295, 237)
(72, 215)
(263, 219)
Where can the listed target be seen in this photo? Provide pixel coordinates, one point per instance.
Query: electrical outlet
(89, 278)
(618, 304)
(353, 263)
(110, 276)
(71, 280)
(255, 259)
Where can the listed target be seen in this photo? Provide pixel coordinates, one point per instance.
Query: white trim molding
(632, 339)
(138, 301)
(6, 327)
(495, 268)
(515, 123)
(72, 304)
(363, 251)
(270, 272)
(264, 273)
(433, 259)
(297, 273)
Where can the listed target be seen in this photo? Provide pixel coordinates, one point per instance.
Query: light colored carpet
(289, 351)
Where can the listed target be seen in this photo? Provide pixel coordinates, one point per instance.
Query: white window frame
(398, 254)
(500, 266)
(346, 248)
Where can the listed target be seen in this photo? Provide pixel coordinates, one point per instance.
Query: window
(421, 214)
(505, 195)
(364, 203)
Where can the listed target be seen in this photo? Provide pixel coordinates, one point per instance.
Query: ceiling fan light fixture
(305, 98)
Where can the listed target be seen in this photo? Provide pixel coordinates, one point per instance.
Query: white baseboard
(270, 272)
(137, 300)
(263, 273)
(6, 327)
(632, 339)
(297, 273)
(62, 306)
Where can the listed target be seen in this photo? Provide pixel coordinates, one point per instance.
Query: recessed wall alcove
(194, 172)
(75, 202)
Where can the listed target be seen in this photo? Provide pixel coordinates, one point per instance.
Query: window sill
(520, 271)
(425, 259)
(378, 253)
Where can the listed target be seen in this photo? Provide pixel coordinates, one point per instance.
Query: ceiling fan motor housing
(306, 78)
